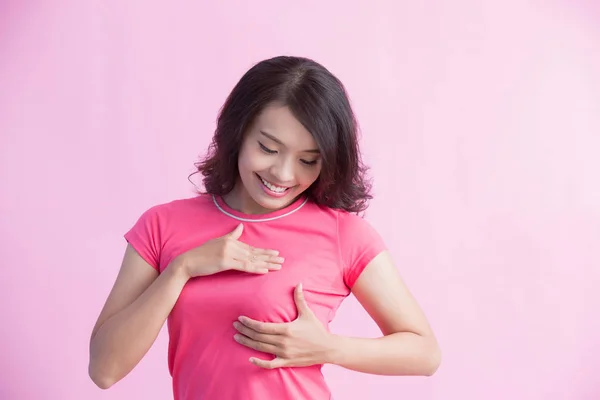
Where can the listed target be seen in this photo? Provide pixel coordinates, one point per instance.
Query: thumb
(300, 300)
(236, 233)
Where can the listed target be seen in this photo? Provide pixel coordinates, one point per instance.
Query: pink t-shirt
(324, 249)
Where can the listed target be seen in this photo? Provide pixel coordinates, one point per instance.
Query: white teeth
(273, 187)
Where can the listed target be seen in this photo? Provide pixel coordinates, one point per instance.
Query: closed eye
(266, 149)
(309, 163)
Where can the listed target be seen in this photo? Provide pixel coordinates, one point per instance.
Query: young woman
(250, 272)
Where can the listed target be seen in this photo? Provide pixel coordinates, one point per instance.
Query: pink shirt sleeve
(145, 237)
(359, 243)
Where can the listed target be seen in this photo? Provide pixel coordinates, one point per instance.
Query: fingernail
(236, 337)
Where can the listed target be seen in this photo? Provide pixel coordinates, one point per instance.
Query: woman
(250, 273)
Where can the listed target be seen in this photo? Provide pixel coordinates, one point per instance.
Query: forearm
(402, 353)
(123, 340)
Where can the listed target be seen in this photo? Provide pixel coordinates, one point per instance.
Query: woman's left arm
(408, 346)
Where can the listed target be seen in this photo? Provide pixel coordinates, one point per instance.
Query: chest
(269, 297)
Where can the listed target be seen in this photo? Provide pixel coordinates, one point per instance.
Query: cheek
(242, 163)
(250, 162)
(309, 175)
(246, 158)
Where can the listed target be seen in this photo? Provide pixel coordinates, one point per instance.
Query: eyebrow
(273, 138)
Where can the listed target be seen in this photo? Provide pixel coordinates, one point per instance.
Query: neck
(240, 200)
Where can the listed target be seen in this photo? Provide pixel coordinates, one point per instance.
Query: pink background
(481, 120)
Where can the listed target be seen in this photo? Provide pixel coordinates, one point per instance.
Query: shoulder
(178, 206)
(171, 215)
(355, 233)
(352, 230)
(349, 223)
(159, 223)
(359, 243)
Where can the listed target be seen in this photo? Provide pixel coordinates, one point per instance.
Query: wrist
(178, 269)
(336, 348)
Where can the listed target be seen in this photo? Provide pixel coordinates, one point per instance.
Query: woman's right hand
(228, 253)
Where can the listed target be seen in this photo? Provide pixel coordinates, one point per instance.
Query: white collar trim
(258, 219)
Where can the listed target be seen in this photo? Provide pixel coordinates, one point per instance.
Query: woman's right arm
(135, 311)
(142, 299)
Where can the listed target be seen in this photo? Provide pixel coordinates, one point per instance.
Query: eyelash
(269, 151)
(266, 149)
(309, 163)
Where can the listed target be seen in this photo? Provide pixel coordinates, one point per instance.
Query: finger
(246, 266)
(300, 300)
(244, 261)
(242, 253)
(236, 233)
(259, 337)
(258, 267)
(266, 252)
(262, 264)
(254, 263)
(275, 363)
(264, 327)
(255, 256)
(257, 264)
(253, 344)
(258, 250)
(267, 258)
(273, 267)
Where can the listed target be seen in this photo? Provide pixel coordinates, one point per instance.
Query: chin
(273, 203)
(266, 198)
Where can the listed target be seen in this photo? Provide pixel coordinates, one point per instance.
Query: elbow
(100, 378)
(102, 369)
(433, 360)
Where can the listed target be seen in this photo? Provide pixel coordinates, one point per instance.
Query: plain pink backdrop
(480, 119)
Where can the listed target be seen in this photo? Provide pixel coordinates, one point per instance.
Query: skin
(279, 149)
(275, 149)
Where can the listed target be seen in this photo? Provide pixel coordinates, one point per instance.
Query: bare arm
(408, 346)
(135, 311)
(141, 300)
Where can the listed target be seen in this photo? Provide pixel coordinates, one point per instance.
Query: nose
(283, 170)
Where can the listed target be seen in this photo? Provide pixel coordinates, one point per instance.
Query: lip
(269, 191)
(273, 183)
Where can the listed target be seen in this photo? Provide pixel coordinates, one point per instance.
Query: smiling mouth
(272, 187)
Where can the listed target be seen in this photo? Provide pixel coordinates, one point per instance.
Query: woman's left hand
(300, 343)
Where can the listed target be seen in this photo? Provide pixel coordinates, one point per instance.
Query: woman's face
(279, 159)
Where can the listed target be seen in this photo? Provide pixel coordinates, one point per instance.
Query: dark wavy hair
(319, 101)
